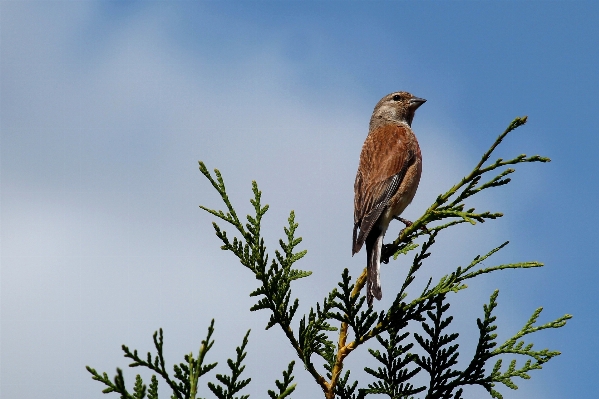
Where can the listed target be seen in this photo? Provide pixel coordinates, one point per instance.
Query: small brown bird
(387, 178)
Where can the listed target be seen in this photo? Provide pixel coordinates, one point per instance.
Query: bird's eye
(396, 97)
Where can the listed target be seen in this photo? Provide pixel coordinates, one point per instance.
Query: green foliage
(118, 385)
(186, 375)
(342, 322)
(442, 355)
(441, 351)
(313, 337)
(515, 346)
(276, 279)
(232, 384)
(393, 379)
(351, 308)
(345, 390)
(285, 388)
(153, 390)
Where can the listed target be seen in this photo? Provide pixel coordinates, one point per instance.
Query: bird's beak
(416, 102)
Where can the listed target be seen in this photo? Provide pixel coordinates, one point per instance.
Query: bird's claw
(384, 253)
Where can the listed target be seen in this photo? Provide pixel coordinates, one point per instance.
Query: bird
(387, 179)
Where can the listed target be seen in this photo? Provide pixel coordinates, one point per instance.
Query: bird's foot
(386, 253)
(404, 221)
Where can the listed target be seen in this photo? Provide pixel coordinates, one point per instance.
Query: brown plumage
(387, 178)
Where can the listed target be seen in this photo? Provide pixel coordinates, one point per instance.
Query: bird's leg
(408, 224)
(404, 221)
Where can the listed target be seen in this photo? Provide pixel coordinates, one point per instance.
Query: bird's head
(398, 107)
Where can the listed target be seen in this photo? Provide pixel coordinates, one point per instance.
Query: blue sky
(106, 107)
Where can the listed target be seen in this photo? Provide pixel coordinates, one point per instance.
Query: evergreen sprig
(516, 346)
(195, 368)
(371, 324)
(453, 282)
(231, 384)
(351, 308)
(118, 385)
(275, 290)
(187, 373)
(285, 387)
(401, 313)
(276, 283)
(442, 353)
(313, 335)
(347, 390)
(399, 367)
(153, 389)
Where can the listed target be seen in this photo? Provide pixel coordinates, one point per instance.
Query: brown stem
(344, 349)
(309, 366)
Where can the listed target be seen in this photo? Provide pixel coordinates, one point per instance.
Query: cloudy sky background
(106, 107)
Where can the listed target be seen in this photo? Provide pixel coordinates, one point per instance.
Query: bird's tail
(374, 243)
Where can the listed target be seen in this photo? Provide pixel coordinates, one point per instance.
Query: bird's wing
(384, 161)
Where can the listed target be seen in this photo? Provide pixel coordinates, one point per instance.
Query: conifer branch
(153, 389)
(394, 378)
(231, 385)
(346, 390)
(157, 365)
(196, 366)
(441, 356)
(275, 289)
(117, 386)
(186, 373)
(358, 322)
(285, 387)
(443, 209)
(516, 346)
